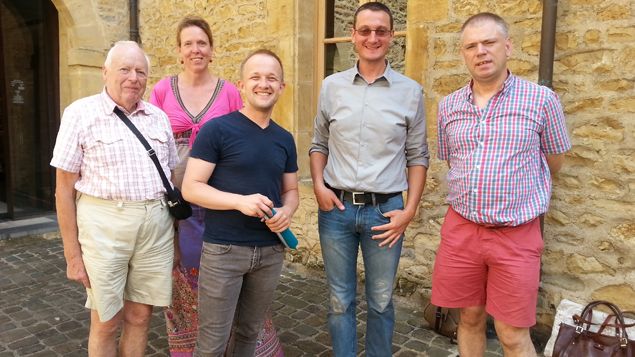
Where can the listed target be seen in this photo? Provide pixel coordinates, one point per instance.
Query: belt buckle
(355, 194)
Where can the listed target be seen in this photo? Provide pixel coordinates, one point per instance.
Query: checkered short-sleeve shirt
(498, 169)
(112, 163)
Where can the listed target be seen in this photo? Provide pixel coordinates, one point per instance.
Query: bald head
(124, 45)
(125, 74)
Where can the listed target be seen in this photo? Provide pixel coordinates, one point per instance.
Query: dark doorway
(29, 105)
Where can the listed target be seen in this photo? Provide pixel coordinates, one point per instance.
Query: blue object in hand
(286, 237)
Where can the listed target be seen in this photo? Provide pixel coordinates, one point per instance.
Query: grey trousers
(235, 282)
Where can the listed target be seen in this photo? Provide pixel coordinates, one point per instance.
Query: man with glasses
(369, 146)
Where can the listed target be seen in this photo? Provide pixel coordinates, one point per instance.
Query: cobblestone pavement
(42, 313)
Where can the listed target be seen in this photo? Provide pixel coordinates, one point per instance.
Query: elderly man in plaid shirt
(502, 137)
(116, 229)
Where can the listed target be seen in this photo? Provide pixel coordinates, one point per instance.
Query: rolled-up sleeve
(416, 138)
(320, 140)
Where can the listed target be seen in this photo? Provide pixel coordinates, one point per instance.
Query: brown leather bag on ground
(579, 340)
(443, 320)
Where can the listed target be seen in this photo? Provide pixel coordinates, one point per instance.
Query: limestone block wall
(87, 30)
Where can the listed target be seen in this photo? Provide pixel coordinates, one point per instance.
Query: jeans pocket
(390, 205)
(278, 248)
(327, 211)
(216, 249)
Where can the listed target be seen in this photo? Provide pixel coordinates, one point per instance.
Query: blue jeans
(341, 233)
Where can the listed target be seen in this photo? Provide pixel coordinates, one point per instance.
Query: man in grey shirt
(369, 132)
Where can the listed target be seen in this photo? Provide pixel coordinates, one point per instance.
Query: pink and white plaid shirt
(498, 169)
(112, 163)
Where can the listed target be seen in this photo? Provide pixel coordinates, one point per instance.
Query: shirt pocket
(106, 142)
(158, 140)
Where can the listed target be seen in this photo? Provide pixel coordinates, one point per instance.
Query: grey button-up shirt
(370, 132)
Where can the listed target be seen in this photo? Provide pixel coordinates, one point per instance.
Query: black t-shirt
(248, 160)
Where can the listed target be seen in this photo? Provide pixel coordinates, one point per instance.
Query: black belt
(363, 198)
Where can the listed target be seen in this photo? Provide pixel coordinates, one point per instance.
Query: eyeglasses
(378, 32)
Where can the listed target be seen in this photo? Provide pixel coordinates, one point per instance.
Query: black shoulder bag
(178, 207)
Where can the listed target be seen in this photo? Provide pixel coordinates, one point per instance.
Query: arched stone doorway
(51, 54)
(29, 105)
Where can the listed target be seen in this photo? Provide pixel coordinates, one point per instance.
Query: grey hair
(118, 44)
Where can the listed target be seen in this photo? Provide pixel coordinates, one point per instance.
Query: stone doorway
(29, 106)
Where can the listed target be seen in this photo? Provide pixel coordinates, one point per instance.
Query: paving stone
(399, 338)
(12, 309)
(402, 327)
(287, 337)
(33, 348)
(416, 345)
(292, 351)
(44, 353)
(7, 327)
(310, 348)
(55, 340)
(284, 322)
(21, 315)
(305, 330)
(300, 315)
(14, 335)
(434, 351)
(68, 326)
(316, 320)
(41, 326)
(328, 353)
(31, 340)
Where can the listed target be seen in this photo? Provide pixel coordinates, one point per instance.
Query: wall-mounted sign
(18, 86)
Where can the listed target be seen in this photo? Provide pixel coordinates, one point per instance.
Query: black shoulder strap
(149, 150)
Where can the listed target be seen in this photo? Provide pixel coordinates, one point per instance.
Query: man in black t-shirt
(242, 165)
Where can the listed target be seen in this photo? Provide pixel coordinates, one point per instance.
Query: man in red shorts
(502, 137)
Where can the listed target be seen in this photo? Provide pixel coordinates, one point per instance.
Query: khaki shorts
(127, 248)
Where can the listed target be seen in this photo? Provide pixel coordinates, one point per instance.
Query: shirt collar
(108, 105)
(388, 74)
(509, 83)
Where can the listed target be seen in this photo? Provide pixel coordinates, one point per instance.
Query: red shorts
(498, 268)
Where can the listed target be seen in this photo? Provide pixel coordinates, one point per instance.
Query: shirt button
(477, 167)
(474, 190)
(473, 213)
(480, 144)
